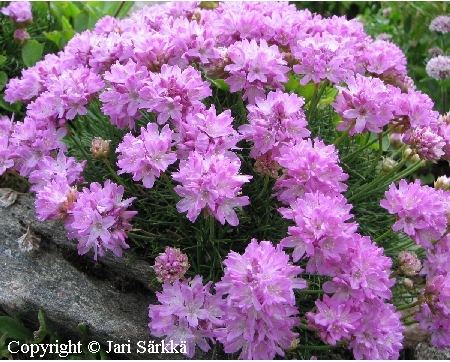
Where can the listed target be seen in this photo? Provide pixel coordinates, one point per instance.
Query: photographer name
(147, 347)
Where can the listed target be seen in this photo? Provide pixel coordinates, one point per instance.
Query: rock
(425, 350)
(111, 296)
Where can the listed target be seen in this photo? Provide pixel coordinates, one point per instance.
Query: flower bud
(388, 164)
(100, 148)
(21, 37)
(408, 262)
(408, 283)
(171, 265)
(395, 139)
(407, 152)
(442, 183)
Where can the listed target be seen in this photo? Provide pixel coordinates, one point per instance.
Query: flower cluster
(255, 66)
(171, 265)
(308, 167)
(440, 24)
(19, 12)
(98, 219)
(420, 212)
(205, 131)
(211, 182)
(161, 77)
(274, 120)
(434, 315)
(365, 105)
(259, 312)
(147, 155)
(438, 67)
(324, 56)
(188, 313)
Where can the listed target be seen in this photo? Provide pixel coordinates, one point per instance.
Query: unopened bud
(408, 262)
(442, 183)
(395, 139)
(21, 37)
(408, 283)
(407, 153)
(294, 344)
(100, 148)
(388, 164)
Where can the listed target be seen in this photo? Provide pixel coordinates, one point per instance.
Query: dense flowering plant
(190, 142)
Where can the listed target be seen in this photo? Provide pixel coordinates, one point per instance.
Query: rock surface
(111, 296)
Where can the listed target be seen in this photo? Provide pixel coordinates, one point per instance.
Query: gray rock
(111, 296)
(425, 351)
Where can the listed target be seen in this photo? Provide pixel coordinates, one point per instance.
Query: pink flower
(99, 219)
(273, 120)
(255, 66)
(171, 265)
(440, 24)
(187, 314)
(365, 103)
(259, 312)
(211, 182)
(19, 12)
(420, 212)
(147, 155)
(308, 167)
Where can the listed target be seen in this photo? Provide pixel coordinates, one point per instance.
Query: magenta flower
(308, 167)
(379, 333)
(427, 144)
(147, 155)
(260, 309)
(171, 265)
(174, 91)
(19, 12)
(205, 131)
(55, 199)
(384, 59)
(365, 104)
(334, 320)
(420, 212)
(273, 120)
(320, 224)
(255, 66)
(62, 167)
(211, 182)
(324, 56)
(99, 219)
(187, 314)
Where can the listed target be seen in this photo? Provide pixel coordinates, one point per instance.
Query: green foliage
(32, 52)
(11, 329)
(329, 8)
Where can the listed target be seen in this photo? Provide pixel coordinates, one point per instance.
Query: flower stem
(344, 135)
(400, 247)
(384, 235)
(408, 306)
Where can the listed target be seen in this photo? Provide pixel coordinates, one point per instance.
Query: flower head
(171, 265)
(19, 12)
(259, 312)
(438, 67)
(188, 313)
(99, 219)
(440, 24)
